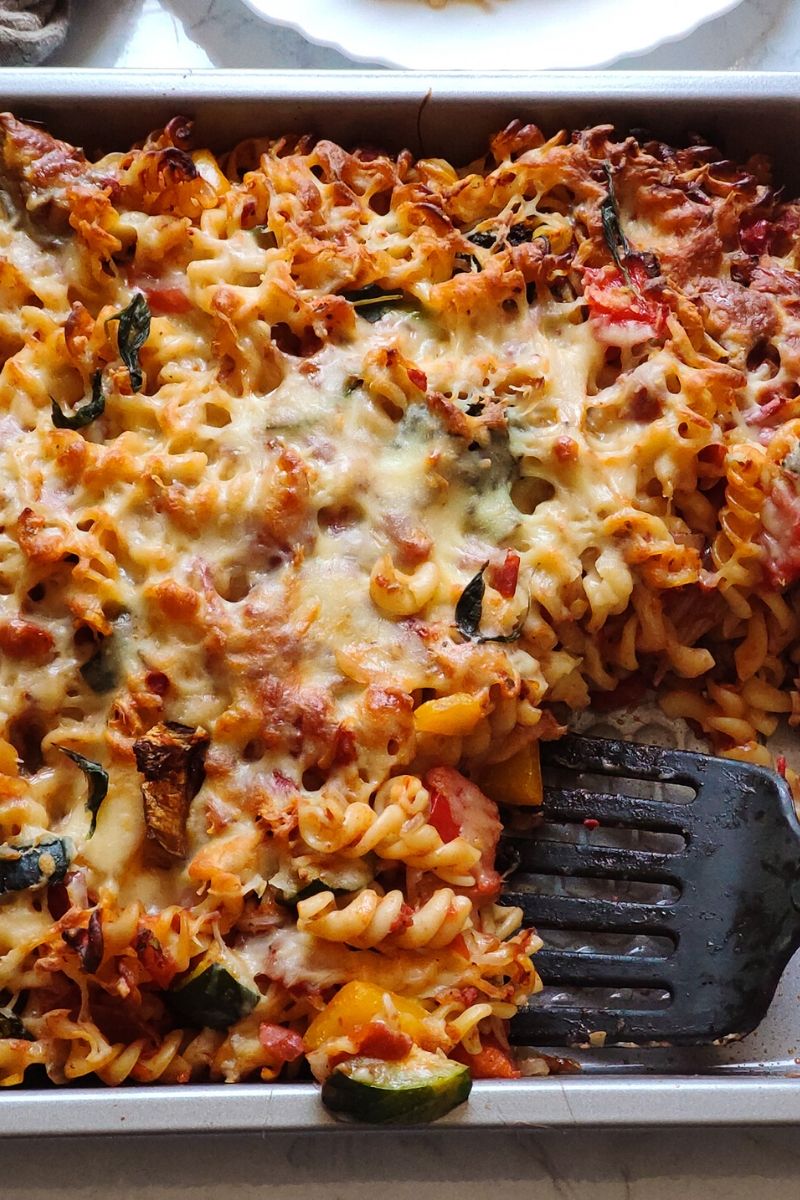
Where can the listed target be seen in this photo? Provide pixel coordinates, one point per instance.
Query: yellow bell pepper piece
(450, 715)
(355, 1005)
(518, 780)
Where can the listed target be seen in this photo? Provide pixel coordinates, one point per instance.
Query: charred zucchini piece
(23, 867)
(212, 996)
(420, 1088)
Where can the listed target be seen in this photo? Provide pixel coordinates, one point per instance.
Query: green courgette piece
(292, 899)
(420, 1088)
(339, 878)
(373, 302)
(100, 672)
(23, 867)
(212, 996)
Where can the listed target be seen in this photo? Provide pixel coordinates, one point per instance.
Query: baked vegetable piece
(170, 758)
(421, 1088)
(212, 995)
(25, 868)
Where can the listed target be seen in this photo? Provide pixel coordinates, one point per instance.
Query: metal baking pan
(452, 114)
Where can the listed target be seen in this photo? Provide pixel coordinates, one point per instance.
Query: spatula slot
(620, 891)
(591, 941)
(577, 804)
(621, 785)
(612, 836)
(602, 999)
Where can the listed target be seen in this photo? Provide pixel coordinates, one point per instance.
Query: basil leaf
(518, 234)
(516, 632)
(372, 302)
(97, 780)
(469, 608)
(134, 330)
(614, 237)
(23, 867)
(12, 1027)
(100, 671)
(483, 238)
(469, 611)
(87, 412)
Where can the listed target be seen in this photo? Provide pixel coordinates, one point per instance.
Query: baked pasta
(331, 484)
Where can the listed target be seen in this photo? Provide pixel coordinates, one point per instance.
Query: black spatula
(669, 918)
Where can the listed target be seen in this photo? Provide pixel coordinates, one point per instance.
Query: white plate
(491, 34)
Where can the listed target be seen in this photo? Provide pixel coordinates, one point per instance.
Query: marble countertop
(345, 1165)
(436, 1165)
(758, 35)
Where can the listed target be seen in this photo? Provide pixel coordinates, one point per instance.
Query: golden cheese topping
(331, 484)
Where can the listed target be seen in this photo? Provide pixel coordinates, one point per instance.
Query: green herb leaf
(134, 330)
(12, 1027)
(97, 780)
(87, 412)
(483, 238)
(615, 239)
(100, 671)
(469, 608)
(469, 611)
(516, 632)
(373, 303)
(519, 233)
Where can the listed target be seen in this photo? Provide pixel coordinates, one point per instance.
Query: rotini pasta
(371, 920)
(334, 482)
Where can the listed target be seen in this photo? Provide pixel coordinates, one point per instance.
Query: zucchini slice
(340, 878)
(212, 996)
(291, 899)
(419, 1088)
(23, 867)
